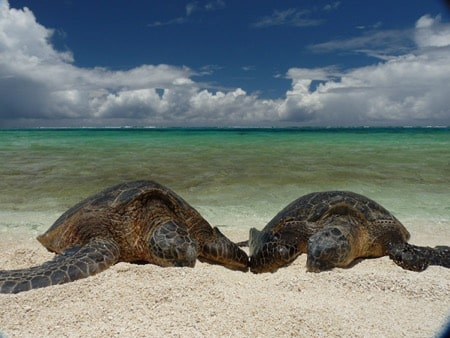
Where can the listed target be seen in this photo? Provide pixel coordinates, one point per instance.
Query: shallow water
(234, 177)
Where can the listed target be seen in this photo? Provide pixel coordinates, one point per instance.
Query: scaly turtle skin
(334, 228)
(140, 221)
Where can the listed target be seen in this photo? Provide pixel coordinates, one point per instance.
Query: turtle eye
(284, 253)
(276, 237)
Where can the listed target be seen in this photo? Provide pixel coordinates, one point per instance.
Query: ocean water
(234, 177)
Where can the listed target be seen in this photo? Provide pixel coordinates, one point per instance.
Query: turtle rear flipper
(74, 263)
(220, 250)
(418, 258)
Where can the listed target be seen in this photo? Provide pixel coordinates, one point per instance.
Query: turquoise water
(235, 177)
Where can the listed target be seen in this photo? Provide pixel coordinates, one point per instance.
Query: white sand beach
(374, 298)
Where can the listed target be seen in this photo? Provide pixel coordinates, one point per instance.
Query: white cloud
(177, 21)
(295, 17)
(191, 9)
(431, 33)
(376, 43)
(332, 6)
(42, 86)
(22, 34)
(411, 88)
(408, 89)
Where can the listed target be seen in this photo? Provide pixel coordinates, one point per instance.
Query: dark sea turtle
(140, 221)
(334, 228)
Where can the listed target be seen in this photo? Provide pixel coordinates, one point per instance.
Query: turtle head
(220, 250)
(328, 248)
(270, 251)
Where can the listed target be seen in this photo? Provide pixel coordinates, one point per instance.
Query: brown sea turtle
(334, 228)
(140, 221)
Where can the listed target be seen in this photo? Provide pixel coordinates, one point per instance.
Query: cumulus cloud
(406, 89)
(41, 86)
(410, 89)
(431, 33)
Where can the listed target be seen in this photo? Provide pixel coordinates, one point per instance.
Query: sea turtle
(334, 228)
(139, 221)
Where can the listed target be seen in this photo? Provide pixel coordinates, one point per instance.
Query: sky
(224, 63)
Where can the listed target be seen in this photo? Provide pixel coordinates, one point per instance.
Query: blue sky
(224, 63)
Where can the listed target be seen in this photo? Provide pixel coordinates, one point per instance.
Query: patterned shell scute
(114, 196)
(314, 206)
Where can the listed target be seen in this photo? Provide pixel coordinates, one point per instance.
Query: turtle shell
(108, 203)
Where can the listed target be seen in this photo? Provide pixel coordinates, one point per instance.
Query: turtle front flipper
(418, 258)
(171, 245)
(218, 249)
(74, 263)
